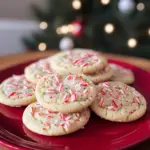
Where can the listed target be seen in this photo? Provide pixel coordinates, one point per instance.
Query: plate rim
(130, 144)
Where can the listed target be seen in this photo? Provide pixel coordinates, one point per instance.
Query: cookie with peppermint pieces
(38, 69)
(78, 61)
(65, 93)
(45, 122)
(104, 75)
(119, 102)
(17, 91)
(122, 74)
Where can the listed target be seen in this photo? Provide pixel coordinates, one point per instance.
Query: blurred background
(113, 26)
(16, 21)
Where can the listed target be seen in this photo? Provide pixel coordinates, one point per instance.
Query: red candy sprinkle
(33, 109)
(70, 59)
(114, 104)
(103, 91)
(39, 113)
(81, 77)
(85, 91)
(111, 108)
(51, 91)
(26, 86)
(49, 117)
(86, 64)
(77, 61)
(71, 91)
(88, 55)
(57, 78)
(101, 103)
(95, 59)
(11, 94)
(66, 124)
(74, 77)
(83, 83)
(65, 121)
(73, 97)
(27, 81)
(46, 66)
(66, 98)
(63, 116)
(122, 92)
(28, 94)
(47, 123)
(69, 77)
(117, 97)
(136, 100)
(106, 84)
(47, 71)
(49, 111)
(61, 87)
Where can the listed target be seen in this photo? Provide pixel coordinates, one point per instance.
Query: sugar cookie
(118, 102)
(65, 93)
(45, 122)
(78, 61)
(17, 91)
(38, 69)
(101, 76)
(122, 74)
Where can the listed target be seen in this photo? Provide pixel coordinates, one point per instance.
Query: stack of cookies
(62, 107)
(88, 62)
(60, 89)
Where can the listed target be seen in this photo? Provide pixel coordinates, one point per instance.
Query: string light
(64, 29)
(140, 6)
(149, 31)
(70, 27)
(132, 42)
(58, 30)
(43, 25)
(76, 4)
(105, 2)
(109, 28)
(42, 46)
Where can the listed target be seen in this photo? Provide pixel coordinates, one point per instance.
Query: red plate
(98, 133)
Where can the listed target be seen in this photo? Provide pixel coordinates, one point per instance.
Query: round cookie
(65, 93)
(101, 76)
(38, 69)
(118, 102)
(122, 74)
(78, 61)
(45, 122)
(17, 91)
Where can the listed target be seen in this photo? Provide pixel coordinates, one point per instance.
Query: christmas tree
(116, 26)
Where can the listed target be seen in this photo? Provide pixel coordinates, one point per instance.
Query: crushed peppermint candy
(47, 118)
(115, 95)
(78, 58)
(70, 87)
(39, 69)
(18, 87)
